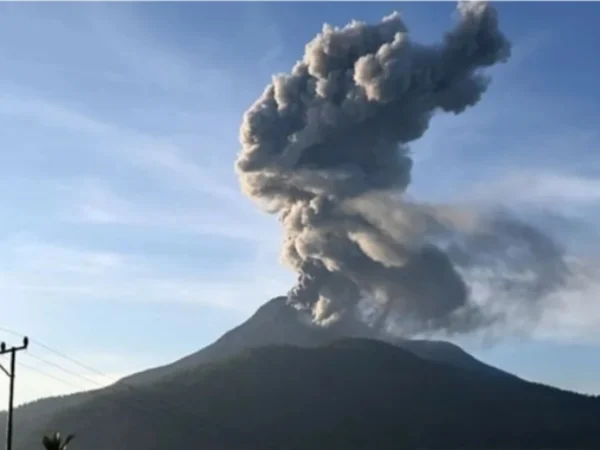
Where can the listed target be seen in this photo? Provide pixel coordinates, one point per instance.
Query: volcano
(276, 381)
(275, 323)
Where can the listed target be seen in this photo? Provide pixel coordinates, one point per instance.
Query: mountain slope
(273, 324)
(350, 394)
(276, 324)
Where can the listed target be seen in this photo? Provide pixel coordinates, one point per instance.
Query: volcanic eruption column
(325, 147)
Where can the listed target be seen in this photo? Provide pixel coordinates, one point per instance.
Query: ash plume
(326, 148)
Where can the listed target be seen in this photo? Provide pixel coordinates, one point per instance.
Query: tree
(54, 442)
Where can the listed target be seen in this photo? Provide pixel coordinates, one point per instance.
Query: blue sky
(124, 240)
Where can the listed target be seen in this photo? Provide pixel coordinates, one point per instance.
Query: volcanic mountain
(275, 323)
(278, 382)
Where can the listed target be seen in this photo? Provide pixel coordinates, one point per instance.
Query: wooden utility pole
(11, 393)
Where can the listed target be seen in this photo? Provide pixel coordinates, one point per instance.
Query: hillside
(349, 394)
(275, 323)
(272, 324)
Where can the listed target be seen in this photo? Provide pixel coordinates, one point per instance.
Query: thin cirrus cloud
(547, 189)
(162, 168)
(32, 271)
(118, 187)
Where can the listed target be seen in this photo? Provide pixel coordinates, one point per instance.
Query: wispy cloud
(92, 202)
(16, 104)
(132, 173)
(40, 272)
(148, 62)
(159, 163)
(544, 188)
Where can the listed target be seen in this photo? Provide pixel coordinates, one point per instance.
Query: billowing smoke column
(325, 147)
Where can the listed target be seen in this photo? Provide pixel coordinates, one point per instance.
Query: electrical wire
(46, 374)
(170, 407)
(132, 404)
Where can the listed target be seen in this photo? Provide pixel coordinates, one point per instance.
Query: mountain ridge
(352, 393)
(283, 326)
(277, 323)
(273, 324)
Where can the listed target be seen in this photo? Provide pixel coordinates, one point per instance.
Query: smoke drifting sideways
(325, 147)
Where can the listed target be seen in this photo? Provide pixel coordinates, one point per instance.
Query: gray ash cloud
(326, 148)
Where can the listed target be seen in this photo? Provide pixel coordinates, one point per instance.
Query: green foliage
(54, 441)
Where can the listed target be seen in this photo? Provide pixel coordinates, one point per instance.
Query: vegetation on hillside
(55, 442)
(352, 394)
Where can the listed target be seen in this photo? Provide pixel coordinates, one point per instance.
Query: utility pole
(11, 393)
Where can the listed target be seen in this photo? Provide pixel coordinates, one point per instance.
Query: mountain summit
(276, 381)
(276, 323)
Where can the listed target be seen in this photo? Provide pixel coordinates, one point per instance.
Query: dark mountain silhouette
(142, 401)
(272, 324)
(348, 394)
(275, 323)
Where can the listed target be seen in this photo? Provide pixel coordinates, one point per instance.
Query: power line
(79, 363)
(62, 355)
(74, 361)
(46, 374)
(69, 371)
(59, 367)
(172, 408)
(157, 413)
